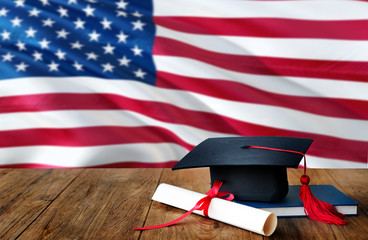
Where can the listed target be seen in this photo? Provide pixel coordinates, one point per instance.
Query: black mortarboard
(251, 174)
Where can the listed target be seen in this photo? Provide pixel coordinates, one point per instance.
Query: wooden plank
(99, 204)
(354, 184)
(24, 194)
(194, 226)
(107, 203)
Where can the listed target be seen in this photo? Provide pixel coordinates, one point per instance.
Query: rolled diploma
(242, 216)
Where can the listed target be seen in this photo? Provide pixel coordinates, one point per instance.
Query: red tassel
(313, 208)
(316, 209)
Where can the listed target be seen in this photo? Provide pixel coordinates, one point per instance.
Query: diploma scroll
(249, 218)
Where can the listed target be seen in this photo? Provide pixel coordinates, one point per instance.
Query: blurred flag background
(121, 83)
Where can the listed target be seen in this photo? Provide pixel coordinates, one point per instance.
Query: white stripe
(91, 156)
(316, 10)
(311, 49)
(270, 116)
(144, 153)
(294, 86)
(94, 118)
(318, 162)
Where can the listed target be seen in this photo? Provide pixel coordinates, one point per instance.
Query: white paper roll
(242, 216)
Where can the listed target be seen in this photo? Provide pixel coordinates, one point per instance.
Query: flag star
(16, 22)
(94, 36)
(62, 34)
(21, 46)
(138, 25)
(79, 24)
(45, 2)
(60, 54)
(91, 55)
(72, 1)
(3, 12)
(106, 24)
(121, 4)
(77, 45)
(53, 66)
(21, 67)
(48, 22)
(37, 56)
(108, 49)
(8, 57)
(137, 14)
(91, 1)
(124, 61)
(78, 67)
(34, 12)
(5, 35)
(89, 11)
(107, 67)
(30, 32)
(121, 13)
(139, 73)
(63, 12)
(19, 3)
(44, 43)
(137, 51)
(122, 37)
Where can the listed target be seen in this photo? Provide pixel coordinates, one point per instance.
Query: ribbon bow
(202, 205)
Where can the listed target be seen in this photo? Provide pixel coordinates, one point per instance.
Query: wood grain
(25, 194)
(100, 204)
(108, 203)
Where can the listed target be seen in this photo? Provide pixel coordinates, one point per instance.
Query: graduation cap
(254, 169)
(250, 173)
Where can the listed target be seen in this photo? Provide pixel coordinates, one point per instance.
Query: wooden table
(107, 203)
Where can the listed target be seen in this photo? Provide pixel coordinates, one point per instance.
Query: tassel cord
(314, 208)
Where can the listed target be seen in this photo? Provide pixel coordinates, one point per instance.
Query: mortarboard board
(250, 173)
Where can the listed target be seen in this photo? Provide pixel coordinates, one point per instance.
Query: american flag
(104, 83)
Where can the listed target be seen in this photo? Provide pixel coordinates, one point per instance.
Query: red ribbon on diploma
(202, 205)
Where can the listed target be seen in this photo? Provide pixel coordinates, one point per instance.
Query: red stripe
(333, 107)
(268, 27)
(337, 70)
(168, 164)
(88, 136)
(324, 146)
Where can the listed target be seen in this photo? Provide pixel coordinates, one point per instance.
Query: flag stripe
(156, 153)
(313, 162)
(317, 162)
(95, 118)
(338, 70)
(326, 145)
(316, 10)
(261, 114)
(343, 108)
(296, 86)
(267, 27)
(188, 129)
(300, 48)
(88, 136)
(127, 164)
